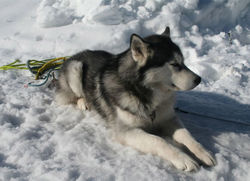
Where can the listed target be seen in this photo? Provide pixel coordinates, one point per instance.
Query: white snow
(41, 141)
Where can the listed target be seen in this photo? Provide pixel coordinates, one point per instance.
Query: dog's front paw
(185, 163)
(82, 105)
(205, 156)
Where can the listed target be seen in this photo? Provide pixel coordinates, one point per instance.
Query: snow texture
(43, 142)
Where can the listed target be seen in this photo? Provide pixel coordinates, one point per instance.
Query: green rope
(38, 67)
(14, 65)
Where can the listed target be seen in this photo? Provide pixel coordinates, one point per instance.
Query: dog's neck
(128, 68)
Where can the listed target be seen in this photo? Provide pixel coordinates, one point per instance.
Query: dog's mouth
(174, 87)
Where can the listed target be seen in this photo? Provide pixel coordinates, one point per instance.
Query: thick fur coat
(134, 92)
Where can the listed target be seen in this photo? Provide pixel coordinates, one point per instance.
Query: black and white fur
(134, 92)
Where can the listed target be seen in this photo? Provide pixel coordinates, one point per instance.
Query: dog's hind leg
(148, 143)
(74, 79)
(82, 104)
(70, 85)
(64, 94)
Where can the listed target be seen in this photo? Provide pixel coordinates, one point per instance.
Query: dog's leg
(148, 143)
(75, 83)
(181, 135)
(82, 104)
(64, 94)
(75, 78)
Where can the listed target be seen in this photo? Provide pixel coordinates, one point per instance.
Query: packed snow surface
(41, 141)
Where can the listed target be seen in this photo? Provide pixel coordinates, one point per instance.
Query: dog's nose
(197, 80)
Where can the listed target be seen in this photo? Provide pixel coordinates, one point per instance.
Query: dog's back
(96, 60)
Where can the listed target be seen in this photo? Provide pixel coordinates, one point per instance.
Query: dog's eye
(176, 65)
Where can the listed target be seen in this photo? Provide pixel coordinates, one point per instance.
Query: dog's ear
(166, 32)
(139, 49)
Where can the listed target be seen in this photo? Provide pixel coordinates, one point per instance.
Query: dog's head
(161, 63)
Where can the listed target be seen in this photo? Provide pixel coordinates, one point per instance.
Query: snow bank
(180, 14)
(41, 141)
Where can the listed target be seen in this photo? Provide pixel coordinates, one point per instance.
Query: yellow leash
(14, 65)
(37, 67)
(49, 65)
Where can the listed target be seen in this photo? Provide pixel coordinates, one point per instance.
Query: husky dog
(134, 92)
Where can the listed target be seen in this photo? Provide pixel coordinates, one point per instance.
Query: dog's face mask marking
(161, 62)
(182, 78)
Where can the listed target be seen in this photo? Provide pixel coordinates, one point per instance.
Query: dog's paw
(205, 157)
(82, 105)
(185, 163)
